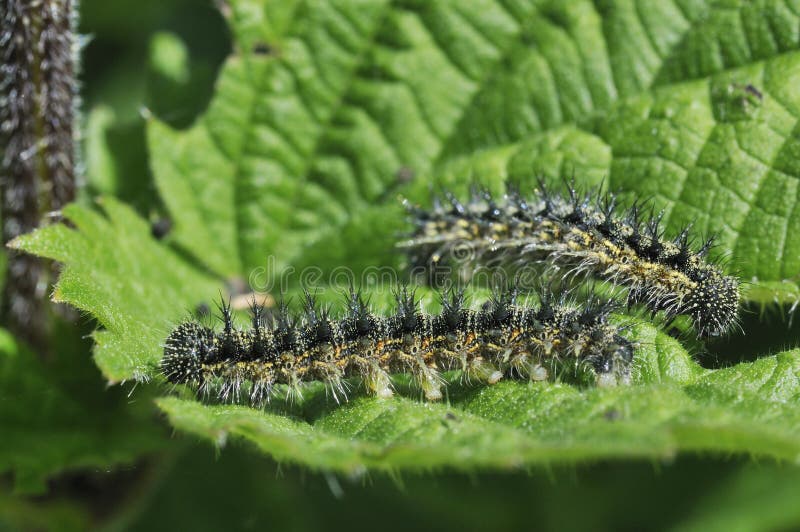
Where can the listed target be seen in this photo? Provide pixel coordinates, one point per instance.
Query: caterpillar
(582, 234)
(503, 337)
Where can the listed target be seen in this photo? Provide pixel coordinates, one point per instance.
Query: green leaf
(755, 498)
(611, 496)
(751, 408)
(115, 157)
(136, 288)
(19, 514)
(58, 416)
(690, 104)
(326, 112)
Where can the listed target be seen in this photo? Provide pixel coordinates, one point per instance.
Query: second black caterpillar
(579, 235)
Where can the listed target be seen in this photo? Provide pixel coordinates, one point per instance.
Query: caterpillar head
(713, 304)
(185, 350)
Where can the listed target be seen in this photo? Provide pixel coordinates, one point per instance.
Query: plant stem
(37, 174)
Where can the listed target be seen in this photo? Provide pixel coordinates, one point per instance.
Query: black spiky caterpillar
(502, 337)
(584, 234)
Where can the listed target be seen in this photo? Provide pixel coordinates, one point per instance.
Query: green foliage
(322, 110)
(60, 417)
(164, 63)
(310, 143)
(136, 288)
(687, 494)
(326, 112)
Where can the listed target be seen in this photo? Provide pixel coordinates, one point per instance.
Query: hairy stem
(37, 174)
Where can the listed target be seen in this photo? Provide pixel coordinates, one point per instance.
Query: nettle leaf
(690, 104)
(751, 408)
(752, 498)
(326, 112)
(136, 288)
(58, 416)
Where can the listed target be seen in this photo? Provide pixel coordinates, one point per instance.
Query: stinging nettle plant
(303, 152)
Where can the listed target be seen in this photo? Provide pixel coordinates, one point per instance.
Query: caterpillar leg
(260, 392)
(425, 377)
(613, 366)
(528, 366)
(606, 380)
(263, 380)
(429, 381)
(467, 353)
(376, 380)
(326, 369)
(291, 373)
(482, 371)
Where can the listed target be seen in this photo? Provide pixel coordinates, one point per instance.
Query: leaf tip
(15, 243)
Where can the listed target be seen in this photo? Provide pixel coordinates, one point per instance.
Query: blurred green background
(161, 57)
(142, 57)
